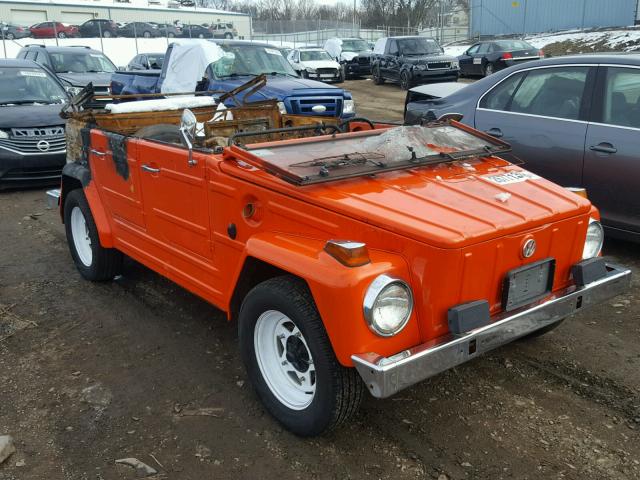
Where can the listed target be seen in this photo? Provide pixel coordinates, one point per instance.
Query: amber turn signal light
(582, 192)
(348, 253)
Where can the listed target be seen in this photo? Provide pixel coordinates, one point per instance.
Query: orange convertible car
(354, 257)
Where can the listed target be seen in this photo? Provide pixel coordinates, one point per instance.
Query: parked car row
(108, 28)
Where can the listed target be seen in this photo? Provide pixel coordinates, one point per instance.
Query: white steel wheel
(285, 360)
(80, 234)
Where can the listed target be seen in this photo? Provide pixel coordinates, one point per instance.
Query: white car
(317, 64)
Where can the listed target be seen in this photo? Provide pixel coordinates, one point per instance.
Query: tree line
(369, 13)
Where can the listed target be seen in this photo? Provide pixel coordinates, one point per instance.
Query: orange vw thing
(354, 257)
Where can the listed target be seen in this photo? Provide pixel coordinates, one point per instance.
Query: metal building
(507, 17)
(29, 12)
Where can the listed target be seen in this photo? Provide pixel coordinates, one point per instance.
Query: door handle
(148, 168)
(494, 132)
(97, 153)
(603, 147)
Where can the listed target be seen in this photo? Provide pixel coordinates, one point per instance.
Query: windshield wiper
(334, 162)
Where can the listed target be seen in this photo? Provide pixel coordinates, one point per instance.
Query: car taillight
(507, 56)
(541, 53)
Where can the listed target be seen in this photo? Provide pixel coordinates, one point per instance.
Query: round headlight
(594, 240)
(387, 305)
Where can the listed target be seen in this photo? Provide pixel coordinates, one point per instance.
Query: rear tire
(93, 261)
(489, 69)
(290, 361)
(228, 35)
(10, 36)
(377, 77)
(146, 34)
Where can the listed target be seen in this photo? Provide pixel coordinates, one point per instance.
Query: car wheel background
(377, 78)
(146, 34)
(10, 36)
(228, 35)
(405, 80)
(488, 69)
(106, 34)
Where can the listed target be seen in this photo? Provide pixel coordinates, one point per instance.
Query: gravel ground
(138, 367)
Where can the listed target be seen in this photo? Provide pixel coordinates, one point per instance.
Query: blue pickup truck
(223, 65)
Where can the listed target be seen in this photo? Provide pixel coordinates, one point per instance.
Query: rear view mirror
(188, 124)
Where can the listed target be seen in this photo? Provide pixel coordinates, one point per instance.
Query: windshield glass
(392, 149)
(418, 46)
(507, 45)
(313, 55)
(251, 60)
(28, 85)
(81, 62)
(354, 45)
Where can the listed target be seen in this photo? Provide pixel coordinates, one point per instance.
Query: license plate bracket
(528, 283)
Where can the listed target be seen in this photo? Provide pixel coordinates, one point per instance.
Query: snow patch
(156, 105)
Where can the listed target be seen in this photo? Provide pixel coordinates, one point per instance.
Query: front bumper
(325, 77)
(385, 376)
(18, 170)
(357, 69)
(424, 76)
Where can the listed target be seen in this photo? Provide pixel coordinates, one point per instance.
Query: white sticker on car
(477, 61)
(512, 177)
(32, 73)
(272, 51)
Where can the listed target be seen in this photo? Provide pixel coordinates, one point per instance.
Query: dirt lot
(138, 367)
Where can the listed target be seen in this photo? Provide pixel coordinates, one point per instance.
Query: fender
(76, 175)
(337, 290)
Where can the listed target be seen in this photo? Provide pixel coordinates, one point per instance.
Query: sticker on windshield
(32, 73)
(272, 51)
(512, 177)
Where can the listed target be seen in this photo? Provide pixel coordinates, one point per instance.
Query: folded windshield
(373, 152)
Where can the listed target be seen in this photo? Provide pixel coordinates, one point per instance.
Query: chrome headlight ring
(378, 305)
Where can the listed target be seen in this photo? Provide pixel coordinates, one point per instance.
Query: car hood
(82, 79)
(280, 86)
(450, 205)
(428, 58)
(348, 56)
(30, 116)
(321, 64)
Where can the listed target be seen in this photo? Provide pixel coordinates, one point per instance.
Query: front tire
(146, 34)
(94, 262)
(228, 35)
(489, 69)
(290, 361)
(405, 80)
(377, 77)
(10, 36)
(106, 34)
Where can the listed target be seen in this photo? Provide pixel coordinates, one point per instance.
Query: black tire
(106, 263)
(162, 132)
(200, 35)
(107, 34)
(10, 36)
(228, 35)
(62, 35)
(377, 77)
(146, 34)
(542, 331)
(171, 35)
(405, 80)
(488, 69)
(341, 77)
(338, 390)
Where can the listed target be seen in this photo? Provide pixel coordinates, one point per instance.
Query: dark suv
(74, 66)
(32, 141)
(98, 27)
(411, 61)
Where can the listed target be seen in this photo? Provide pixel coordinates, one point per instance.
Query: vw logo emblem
(529, 248)
(43, 146)
(319, 108)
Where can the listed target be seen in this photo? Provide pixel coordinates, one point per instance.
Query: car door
(391, 67)
(466, 60)
(611, 161)
(175, 201)
(542, 113)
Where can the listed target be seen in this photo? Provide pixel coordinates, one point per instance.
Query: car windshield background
(251, 60)
(551, 92)
(28, 85)
(418, 46)
(513, 45)
(354, 46)
(313, 55)
(622, 97)
(155, 61)
(80, 62)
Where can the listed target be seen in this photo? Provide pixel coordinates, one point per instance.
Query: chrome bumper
(53, 198)
(385, 376)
